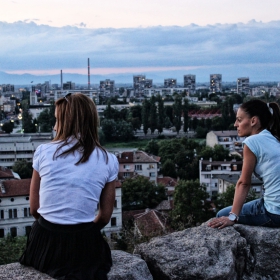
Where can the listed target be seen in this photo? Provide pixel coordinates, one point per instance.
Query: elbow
(243, 184)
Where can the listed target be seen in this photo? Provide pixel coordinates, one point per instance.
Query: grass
(139, 144)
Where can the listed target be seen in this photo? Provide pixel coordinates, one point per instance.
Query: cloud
(28, 46)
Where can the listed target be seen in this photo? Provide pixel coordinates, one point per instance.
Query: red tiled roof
(16, 188)
(137, 156)
(167, 181)
(6, 173)
(150, 223)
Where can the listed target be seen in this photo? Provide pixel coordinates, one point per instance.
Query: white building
(20, 147)
(209, 171)
(138, 163)
(229, 139)
(189, 83)
(15, 217)
(243, 85)
(215, 83)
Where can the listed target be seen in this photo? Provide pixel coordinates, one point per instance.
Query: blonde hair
(77, 119)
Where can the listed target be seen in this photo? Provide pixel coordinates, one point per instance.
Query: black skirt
(67, 251)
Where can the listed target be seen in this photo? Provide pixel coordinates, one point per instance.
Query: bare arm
(244, 183)
(106, 205)
(34, 194)
(241, 190)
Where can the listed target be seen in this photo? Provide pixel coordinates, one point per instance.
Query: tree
(23, 168)
(186, 115)
(145, 115)
(216, 153)
(152, 147)
(11, 248)
(109, 128)
(124, 131)
(161, 114)
(139, 193)
(8, 127)
(169, 169)
(177, 112)
(225, 199)
(190, 204)
(27, 122)
(153, 115)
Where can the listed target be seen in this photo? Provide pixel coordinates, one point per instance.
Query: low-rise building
(209, 171)
(138, 162)
(15, 217)
(229, 139)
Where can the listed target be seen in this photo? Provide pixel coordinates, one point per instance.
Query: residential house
(138, 162)
(210, 170)
(229, 139)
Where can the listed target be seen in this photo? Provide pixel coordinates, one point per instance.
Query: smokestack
(61, 81)
(88, 75)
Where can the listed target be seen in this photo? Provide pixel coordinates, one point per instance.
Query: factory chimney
(88, 75)
(61, 81)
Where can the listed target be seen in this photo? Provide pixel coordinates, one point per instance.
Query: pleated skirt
(67, 251)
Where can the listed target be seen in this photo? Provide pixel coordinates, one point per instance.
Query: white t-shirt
(266, 148)
(69, 193)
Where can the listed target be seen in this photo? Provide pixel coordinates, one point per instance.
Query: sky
(232, 37)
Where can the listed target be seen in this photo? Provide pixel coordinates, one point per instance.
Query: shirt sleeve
(36, 159)
(114, 167)
(252, 145)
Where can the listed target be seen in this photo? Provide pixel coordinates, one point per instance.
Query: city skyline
(185, 37)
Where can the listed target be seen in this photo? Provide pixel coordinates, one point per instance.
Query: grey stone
(264, 246)
(196, 253)
(128, 267)
(16, 271)
(125, 267)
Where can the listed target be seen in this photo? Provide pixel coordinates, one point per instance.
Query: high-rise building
(107, 86)
(170, 83)
(68, 85)
(189, 82)
(215, 83)
(243, 85)
(140, 83)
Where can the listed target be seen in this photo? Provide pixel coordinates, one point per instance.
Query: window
(138, 167)
(116, 204)
(26, 212)
(151, 166)
(13, 231)
(2, 233)
(208, 167)
(113, 222)
(125, 174)
(152, 174)
(12, 213)
(126, 166)
(2, 214)
(207, 176)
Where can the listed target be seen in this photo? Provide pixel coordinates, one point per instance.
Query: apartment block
(140, 83)
(107, 87)
(243, 86)
(170, 83)
(215, 83)
(229, 139)
(209, 172)
(189, 83)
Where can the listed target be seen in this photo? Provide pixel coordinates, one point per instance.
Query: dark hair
(268, 114)
(77, 120)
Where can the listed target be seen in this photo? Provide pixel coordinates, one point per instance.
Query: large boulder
(196, 253)
(128, 267)
(125, 267)
(238, 252)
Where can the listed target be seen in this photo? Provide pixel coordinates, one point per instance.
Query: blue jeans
(253, 213)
